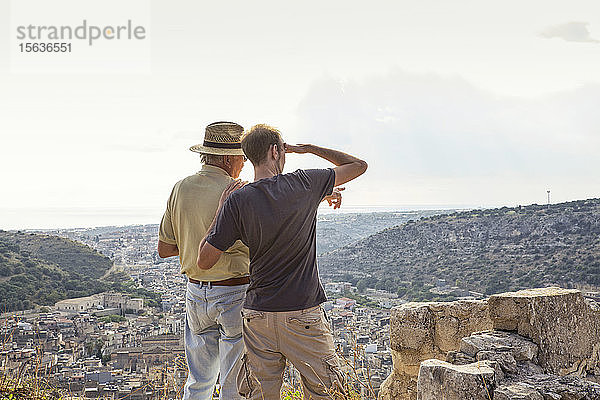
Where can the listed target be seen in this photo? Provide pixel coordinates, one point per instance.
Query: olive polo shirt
(190, 211)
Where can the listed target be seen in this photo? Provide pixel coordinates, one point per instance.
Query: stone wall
(532, 344)
(421, 331)
(564, 325)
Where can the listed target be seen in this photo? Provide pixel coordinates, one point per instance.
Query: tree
(361, 285)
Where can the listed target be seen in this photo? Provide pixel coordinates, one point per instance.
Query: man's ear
(275, 152)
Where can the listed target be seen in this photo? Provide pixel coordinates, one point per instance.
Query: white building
(80, 304)
(118, 301)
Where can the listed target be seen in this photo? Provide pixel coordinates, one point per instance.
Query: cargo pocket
(336, 376)
(310, 322)
(250, 315)
(245, 381)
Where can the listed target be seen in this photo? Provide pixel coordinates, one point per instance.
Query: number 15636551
(45, 47)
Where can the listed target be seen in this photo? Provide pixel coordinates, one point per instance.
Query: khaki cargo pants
(302, 337)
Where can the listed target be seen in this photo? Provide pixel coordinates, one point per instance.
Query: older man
(213, 329)
(276, 217)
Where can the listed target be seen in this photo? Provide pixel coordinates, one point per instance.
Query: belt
(242, 280)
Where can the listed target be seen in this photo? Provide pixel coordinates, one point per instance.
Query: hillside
(136, 244)
(487, 251)
(337, 230)
(42, 269)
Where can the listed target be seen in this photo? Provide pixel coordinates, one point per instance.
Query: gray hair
(211, 158)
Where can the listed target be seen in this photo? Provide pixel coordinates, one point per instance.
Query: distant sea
(324, 209)
(83, 217)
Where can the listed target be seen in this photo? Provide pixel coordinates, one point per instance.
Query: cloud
(431, 128)
(570, 32)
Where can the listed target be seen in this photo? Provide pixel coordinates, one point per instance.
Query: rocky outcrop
(441, 380)
(518, 374)
(564, 325)
(539, 344)
(421, 331)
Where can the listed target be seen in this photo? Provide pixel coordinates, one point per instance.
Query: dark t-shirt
(276, 218)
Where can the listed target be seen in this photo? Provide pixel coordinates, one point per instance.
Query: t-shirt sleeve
(226, 229)
(165, 231)
(321, 181)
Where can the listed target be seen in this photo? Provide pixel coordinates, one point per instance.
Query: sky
(453, 104)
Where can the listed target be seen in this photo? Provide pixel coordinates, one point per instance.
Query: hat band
(222, 145)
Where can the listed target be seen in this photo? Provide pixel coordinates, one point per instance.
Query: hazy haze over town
(454, 104)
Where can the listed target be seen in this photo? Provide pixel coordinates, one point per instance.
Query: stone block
(522, 349)
(411, 327)
(562, 387)
(420, 331)
(564, 325)
(517, 391)
(441, 380)
(459, 358)
(398, 386)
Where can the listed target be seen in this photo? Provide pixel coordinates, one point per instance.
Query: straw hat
(221, 138)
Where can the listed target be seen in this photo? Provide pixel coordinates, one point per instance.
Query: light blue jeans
(213, 340)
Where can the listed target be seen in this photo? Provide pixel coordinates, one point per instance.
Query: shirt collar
(213, 169)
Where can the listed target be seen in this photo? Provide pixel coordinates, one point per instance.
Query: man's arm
(347, 167)
(167, 250)
(208, 255)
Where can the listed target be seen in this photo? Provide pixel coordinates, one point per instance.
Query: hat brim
(218, 152)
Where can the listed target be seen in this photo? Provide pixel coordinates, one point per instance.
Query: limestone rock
(564, 325)
(519, 347)
(539, 344)
(411, 337)
(552, 387)
(398, 386)
(436, 327)
(517, 391)
(420, 331)
(411, 327)
(457, 319)
(441, 380)
(504, 361)
(459, 358)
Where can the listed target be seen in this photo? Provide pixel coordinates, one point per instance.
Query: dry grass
(30, 381)
(356, 385)
(27, 381)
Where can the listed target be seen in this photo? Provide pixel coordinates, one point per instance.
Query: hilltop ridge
(487, 251)
(43, 269)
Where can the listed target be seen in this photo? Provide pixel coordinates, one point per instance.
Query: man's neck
(223, 167)
(265, 171)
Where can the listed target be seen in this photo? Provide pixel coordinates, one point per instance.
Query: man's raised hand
(298, 148)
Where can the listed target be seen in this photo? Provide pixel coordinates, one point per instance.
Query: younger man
(275, 216)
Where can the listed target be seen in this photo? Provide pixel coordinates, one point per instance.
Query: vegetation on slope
(487, 251)
(42, 269)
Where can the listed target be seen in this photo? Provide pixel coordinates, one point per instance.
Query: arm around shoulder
(208, 255)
